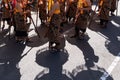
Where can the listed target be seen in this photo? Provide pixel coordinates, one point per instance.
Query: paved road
(97, 57)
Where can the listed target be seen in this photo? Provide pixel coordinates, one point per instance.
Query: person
(27, 9)
(82, 15)
(54, 26)
(22, 27)
(6, 15)
(42, 11)
(62, 8)
(72, 8)
(0, 14)
(113, 7)
(105, 6)
(63, 13)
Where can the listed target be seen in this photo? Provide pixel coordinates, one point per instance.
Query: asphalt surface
(96, 57)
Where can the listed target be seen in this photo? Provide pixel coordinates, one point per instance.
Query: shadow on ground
(36, 40)
(83, 72)
(10, 55)
(111, 34)
(53, 61)
(88, 52)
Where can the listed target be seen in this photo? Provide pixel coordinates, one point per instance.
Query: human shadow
(87, 71)
(111, 34)
(10, 56)
(88, 52)
(54, 62)
(83, 72)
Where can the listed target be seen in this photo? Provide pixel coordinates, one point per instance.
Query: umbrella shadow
(54, 62)
(84, 73)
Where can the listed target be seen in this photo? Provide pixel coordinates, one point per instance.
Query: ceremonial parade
(56, 29)
(54, 14)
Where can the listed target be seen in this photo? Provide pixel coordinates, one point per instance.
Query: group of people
(53, 13)
(15, 13)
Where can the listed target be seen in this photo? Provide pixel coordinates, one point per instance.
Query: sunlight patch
(114, 23)
(118, 37)
(2, 45)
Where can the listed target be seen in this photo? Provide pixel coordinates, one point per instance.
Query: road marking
(115, 24)
(111, 67)
(2, 45)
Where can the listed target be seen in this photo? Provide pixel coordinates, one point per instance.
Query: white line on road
(111, 67)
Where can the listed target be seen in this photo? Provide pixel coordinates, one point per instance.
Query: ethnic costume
(22, 27)
(27, 8)
(113, 7)
(0, 14)
(62, 12)
(42, 11)
(6, 16)
(72, 8)
(62, 7)
(53, 32)
(104, 12)
(84, 6)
